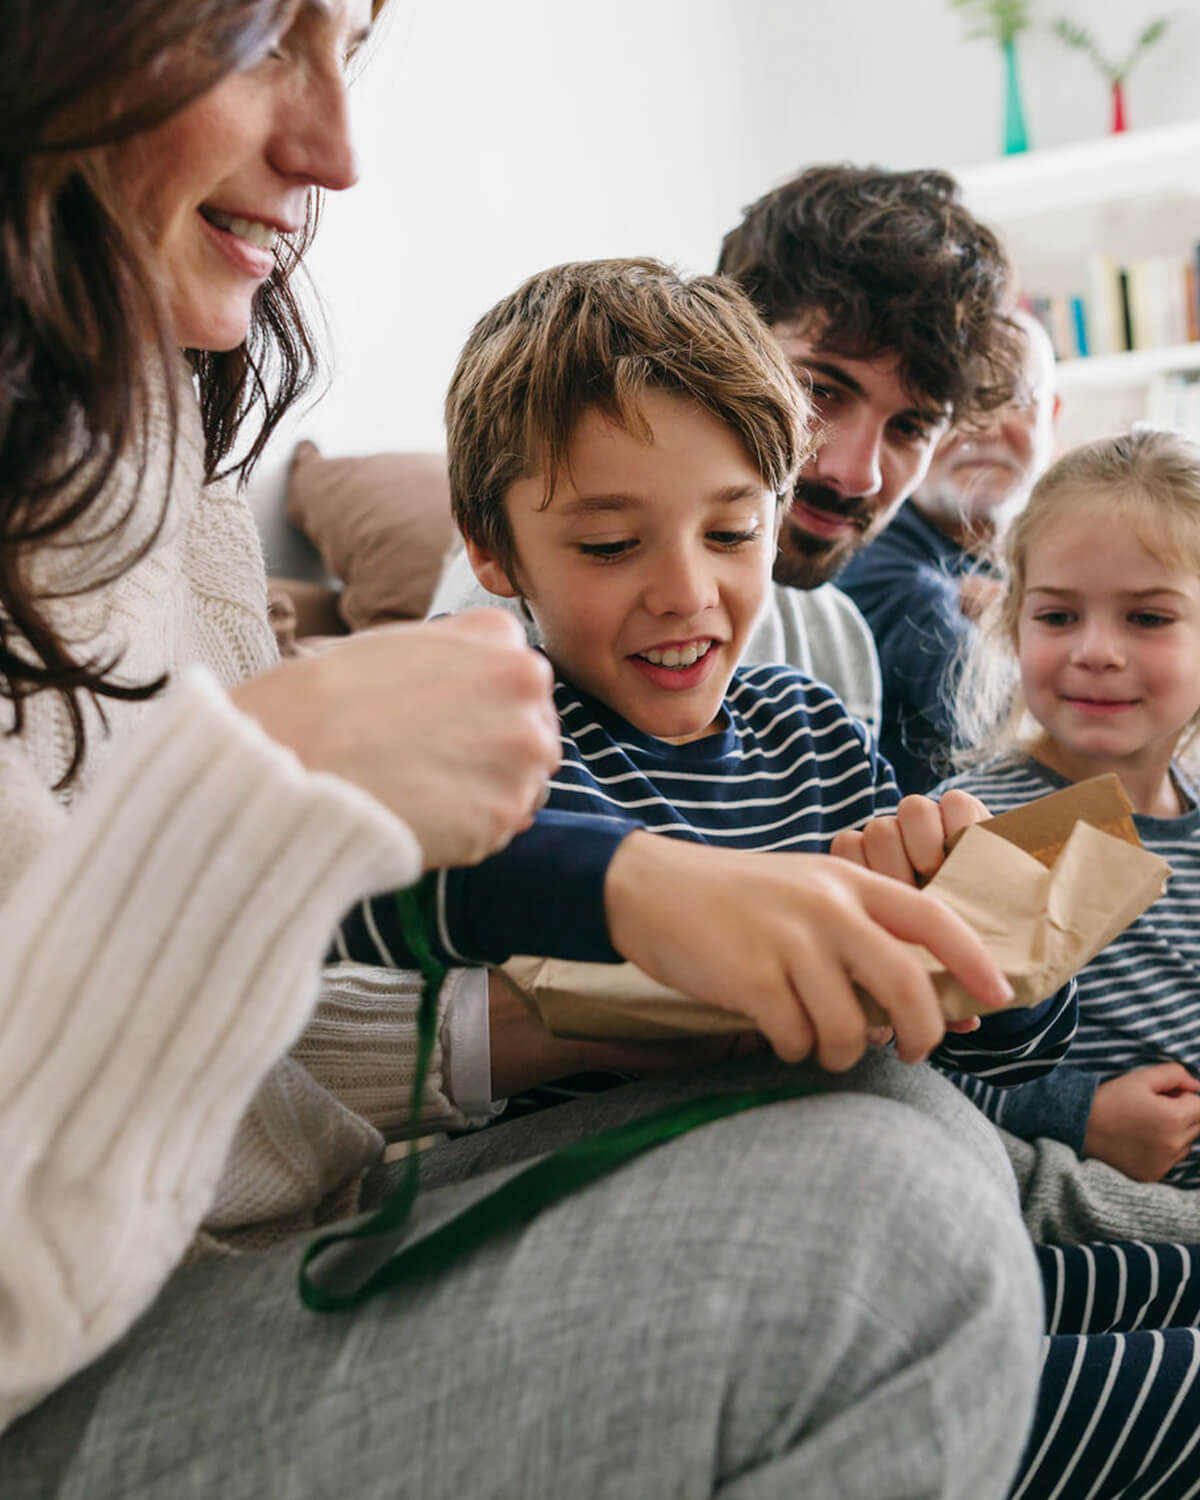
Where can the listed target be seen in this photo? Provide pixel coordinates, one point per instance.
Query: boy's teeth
(686, 656)
(261, 235)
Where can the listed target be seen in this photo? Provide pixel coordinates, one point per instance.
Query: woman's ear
(490, 571)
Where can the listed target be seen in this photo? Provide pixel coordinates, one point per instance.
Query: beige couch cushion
(381, 524)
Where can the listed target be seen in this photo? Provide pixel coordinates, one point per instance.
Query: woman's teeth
(683, 656)
(250, 230)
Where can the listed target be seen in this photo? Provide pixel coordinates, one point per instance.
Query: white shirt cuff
(466, 1045)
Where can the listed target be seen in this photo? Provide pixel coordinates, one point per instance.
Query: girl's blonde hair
(1147, 480)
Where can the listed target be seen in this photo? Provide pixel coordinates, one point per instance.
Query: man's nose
(849, 459)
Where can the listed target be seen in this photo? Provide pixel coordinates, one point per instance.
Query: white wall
(896, 81)
(500, 136)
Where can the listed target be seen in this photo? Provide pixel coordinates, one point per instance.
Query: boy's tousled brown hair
(598, 334)
(887, 263)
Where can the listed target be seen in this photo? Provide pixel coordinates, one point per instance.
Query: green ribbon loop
(343, 1269)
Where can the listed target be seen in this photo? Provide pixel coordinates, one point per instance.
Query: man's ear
(490, 571)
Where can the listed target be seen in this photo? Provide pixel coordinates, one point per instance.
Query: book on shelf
(1151, 303)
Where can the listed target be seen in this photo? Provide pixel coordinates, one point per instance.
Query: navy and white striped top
(788, 771)
(1139, 999)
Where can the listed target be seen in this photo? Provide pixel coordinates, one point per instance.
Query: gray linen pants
(833, 1297)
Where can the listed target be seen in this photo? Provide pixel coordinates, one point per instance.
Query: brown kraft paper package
(1046, 886)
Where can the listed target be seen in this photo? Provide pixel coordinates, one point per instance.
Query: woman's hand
(783, 939)
(449, 724)
(1145, 1121)
(910, 844)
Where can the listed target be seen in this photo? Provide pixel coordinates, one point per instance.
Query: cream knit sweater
(161, 930)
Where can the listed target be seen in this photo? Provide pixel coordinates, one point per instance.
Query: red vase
(1118, 106)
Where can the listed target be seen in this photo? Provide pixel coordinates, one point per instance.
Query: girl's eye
(1149, 619)
(733, 539)
(1054, 617)
(607, 551)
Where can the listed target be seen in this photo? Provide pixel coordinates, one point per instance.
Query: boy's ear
(490, 571)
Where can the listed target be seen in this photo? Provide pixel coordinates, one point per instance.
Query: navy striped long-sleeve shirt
(788, 770)
(1139, 999)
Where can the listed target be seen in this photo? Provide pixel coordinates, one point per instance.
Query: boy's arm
(1015, 1046)
(543, 893)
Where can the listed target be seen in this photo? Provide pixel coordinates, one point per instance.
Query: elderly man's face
(981, 476)
(877, 438)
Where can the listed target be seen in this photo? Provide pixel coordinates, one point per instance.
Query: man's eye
(912, 430)
(607, 551)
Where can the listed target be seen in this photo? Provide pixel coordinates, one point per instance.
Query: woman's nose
(312, 141)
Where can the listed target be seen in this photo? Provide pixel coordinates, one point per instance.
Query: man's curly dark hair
(888, 263)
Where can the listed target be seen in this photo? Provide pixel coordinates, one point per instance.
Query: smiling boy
(623, 444)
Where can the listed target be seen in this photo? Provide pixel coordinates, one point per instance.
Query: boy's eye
(607, 551)
(733, 539)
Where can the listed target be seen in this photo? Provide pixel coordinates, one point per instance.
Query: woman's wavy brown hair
(85, 345)
(888, 263)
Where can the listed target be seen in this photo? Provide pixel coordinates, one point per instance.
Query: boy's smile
(649, 566)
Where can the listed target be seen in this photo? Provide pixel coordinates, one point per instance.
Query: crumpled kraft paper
(1040, 924)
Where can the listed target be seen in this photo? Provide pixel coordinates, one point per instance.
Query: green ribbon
(365, 1258)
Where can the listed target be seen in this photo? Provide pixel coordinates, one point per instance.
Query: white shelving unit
(1128, 196)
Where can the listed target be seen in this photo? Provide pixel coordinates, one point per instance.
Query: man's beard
(805, 560)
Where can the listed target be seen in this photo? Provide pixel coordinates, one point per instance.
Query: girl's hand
(1145, 1122)
(910, 844)
(449, 724)
(783, 939)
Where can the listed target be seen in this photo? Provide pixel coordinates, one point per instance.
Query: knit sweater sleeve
(159, 953)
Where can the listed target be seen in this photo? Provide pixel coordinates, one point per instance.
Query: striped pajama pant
(1118, 1411)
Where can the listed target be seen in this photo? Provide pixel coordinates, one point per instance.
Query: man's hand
(783, 939)
(910, 844)
(1146, 1121)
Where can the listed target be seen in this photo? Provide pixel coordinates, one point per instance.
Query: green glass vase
(1015, 136)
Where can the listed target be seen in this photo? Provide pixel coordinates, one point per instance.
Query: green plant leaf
(999, 19)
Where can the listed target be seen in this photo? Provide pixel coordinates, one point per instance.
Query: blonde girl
(1091, 663)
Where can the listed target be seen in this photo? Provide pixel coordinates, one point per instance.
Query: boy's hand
(784, 938)
(1146, 1121)
(910, 844)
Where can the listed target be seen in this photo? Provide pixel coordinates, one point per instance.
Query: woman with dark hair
(182, 821)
